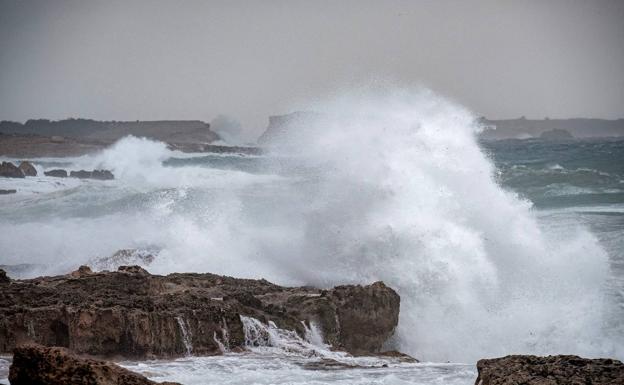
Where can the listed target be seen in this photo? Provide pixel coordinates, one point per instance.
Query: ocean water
(495, 248)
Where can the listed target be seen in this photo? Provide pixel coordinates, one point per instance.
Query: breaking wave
(390, 187)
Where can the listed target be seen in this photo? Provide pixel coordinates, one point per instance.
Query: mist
(148, 60)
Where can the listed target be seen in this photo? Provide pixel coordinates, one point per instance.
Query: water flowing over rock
(35, 364)
(551, 370)
(57, 173)
(134, 314)
(28, 169)
(9, 170)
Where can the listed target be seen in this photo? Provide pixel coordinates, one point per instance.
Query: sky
(148, 60)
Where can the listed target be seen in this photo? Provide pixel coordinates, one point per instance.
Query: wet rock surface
(95, 174)
(131, 313)
(551, 370)
(57, 173)
(7, 192)
(39, 365)
(9, 170)
(28, 169)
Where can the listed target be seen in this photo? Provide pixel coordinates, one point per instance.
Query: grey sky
(127, 60)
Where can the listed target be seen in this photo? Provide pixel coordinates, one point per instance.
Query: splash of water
(390, 187)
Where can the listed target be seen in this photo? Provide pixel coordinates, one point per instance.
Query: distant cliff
(170, 131)
(522, 128)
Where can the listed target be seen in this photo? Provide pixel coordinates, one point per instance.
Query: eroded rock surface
(551, 370)
(39, 365)
(131, 313)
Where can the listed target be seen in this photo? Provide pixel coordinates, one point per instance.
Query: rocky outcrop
(35, 364)
(28, 169)
(9, 170)
(57, 173)
(551, 370)
(7, 192)
(134, 314)
(95, 174)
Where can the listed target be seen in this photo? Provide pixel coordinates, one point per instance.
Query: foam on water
(390, 187)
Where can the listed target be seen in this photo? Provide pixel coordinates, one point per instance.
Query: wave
(391, 187)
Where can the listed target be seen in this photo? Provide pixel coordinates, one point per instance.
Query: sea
(496, 248)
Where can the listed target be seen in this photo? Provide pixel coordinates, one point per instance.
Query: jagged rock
(551, 370)
(134, 314)
(7, 192)
(28, 169)
(9, 170)
(95, 174)
(39, 365)
(57, 173)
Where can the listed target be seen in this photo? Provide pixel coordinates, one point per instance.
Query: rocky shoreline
(59, 329)
(130, 313)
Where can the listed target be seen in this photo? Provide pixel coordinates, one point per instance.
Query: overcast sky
(127, 60)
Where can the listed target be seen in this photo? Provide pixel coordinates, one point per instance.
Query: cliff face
(131, 313)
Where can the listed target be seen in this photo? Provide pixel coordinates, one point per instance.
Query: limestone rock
(131, 313)
(551, 370)
(38, 365)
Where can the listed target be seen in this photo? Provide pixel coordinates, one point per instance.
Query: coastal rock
(7, 192)
(131, 313)
(551, 370)
(95, 174)
(4, 278)
(35, 364)
(57, 173)
(9, 170)
(28, 169)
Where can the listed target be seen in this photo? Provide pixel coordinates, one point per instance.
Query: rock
(36, 364)
(4, 278)
(551, 370)
(7, 192)
(28, 169)
(9, 170)
(57, 173)
(95, 174)
(81, 272)
(131, 313)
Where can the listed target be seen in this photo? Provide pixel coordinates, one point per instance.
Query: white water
(387, 187)
(185, 331)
